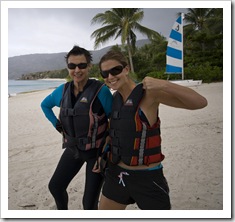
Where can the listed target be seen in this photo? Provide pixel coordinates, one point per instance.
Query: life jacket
(133, 141)
(82, 128)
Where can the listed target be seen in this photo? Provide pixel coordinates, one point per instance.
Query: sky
(53, 30)
(56, 26)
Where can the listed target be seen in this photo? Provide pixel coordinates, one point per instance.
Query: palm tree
(121, 22)
(197, 17)
(204, 28)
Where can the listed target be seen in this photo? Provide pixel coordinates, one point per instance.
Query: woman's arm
(106, 99)
(51, 101)
(174, 95)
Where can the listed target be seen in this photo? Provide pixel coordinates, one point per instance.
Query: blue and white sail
(174, 53)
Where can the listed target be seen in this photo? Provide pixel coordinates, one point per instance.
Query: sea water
(21, 86)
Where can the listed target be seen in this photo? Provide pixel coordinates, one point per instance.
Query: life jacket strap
(122, 115)
(116, 150)
(73, 141)
(73, 112)
(142, 144)
(70, 141)
(147, 152)
(94, 133)
(138, 134)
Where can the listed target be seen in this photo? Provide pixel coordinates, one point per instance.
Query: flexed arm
(165, 92)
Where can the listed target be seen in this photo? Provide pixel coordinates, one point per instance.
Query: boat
(187, 82)
(175, 54)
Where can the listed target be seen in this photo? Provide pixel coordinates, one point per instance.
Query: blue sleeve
(51, 101)
(106, 99)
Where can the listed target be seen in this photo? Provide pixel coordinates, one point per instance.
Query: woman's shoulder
(57, 93)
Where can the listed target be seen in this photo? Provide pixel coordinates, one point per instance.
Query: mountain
(24, 64)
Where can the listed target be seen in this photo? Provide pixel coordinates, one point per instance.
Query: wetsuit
(69, 165)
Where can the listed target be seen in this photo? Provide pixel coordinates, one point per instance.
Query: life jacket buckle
(112, 132)
(68, 112)
(116, 150)
(116, 115)
(83, 141)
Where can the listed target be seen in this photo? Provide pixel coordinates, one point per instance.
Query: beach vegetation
(203, 45)
(51, 74)
(123, 23)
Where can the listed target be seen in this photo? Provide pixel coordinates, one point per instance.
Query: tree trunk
(130, 55)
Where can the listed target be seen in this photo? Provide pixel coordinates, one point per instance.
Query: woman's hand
(59, 127)
(150, 83)
(96, 168)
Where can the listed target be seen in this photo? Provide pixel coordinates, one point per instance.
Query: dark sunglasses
(114, 71)
(80, 65)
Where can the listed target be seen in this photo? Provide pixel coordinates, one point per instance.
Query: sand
(192, 144)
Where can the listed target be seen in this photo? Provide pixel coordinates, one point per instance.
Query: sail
(174, 53)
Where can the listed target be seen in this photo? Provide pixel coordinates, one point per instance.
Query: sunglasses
(80, 65)
(114, 71)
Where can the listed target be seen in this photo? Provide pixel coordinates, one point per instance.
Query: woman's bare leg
(107, 204)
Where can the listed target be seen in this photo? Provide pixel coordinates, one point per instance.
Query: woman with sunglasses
(135, 172)
(85, 105)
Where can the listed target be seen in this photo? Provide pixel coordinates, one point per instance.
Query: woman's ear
(89, 66)
(127, 69)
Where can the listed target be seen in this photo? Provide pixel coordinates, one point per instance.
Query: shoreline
(26, 92)
(35, 90)
(48, 79)
(51, 79)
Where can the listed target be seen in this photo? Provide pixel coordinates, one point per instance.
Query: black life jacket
(132, 140)
(83, 129)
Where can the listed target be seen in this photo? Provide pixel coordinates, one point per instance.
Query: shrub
(205, 72)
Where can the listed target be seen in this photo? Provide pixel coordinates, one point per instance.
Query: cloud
(49, 30)
(52, 30)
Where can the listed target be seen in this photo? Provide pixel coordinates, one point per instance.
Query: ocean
(21, 86)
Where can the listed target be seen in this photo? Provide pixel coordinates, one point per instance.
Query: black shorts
(147, 188)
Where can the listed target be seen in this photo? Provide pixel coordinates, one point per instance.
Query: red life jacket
(133, 141)
(82, 127)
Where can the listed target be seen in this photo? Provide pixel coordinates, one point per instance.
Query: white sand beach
(192, 142)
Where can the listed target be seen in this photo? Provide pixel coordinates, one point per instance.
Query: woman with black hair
(85, 105)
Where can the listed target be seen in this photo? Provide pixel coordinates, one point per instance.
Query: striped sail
(174, 53)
